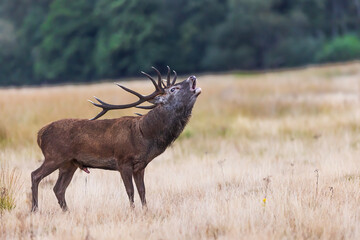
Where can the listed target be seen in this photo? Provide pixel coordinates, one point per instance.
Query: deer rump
(125, 144)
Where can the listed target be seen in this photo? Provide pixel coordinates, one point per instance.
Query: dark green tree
(252, 29)
(18, 46)
(131, 36)
(190, 25)
(342, 48)
(65, 52)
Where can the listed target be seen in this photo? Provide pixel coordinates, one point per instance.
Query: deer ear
(158, 99)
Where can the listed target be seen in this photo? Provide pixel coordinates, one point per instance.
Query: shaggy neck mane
(164, 124)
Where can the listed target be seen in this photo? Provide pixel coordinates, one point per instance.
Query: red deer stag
(125, 144)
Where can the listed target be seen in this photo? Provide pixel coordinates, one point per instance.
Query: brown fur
(125, 144)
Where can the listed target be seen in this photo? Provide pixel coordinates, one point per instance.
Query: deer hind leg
(139, 181)
(126, 175)
(36, 176)
(66, 172)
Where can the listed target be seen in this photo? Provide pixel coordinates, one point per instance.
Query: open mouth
(193, 87)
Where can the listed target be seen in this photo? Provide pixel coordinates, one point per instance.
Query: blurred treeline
(52, 41)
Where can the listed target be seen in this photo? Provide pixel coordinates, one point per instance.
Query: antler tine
(130, 91)
(99, 115)
(168, 77)
(160, 82)
(153, 81)
(103, 103)
(174, 80)
(146, 107)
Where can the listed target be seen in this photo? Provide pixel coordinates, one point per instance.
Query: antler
(159, 89)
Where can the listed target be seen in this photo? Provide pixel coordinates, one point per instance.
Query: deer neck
(164, 124)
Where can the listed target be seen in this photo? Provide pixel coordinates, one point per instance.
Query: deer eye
(172, 90)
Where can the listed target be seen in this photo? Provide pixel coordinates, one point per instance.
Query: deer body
(125, 144)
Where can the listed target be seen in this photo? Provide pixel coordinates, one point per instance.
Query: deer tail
(40, 135)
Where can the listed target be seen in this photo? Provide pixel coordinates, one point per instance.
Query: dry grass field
(265, 156)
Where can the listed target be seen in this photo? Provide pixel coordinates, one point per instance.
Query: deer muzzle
(193, 88)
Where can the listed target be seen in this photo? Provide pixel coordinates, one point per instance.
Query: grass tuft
(9, 187)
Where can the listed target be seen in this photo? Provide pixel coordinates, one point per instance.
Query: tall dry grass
(9, 187)
(273, 155)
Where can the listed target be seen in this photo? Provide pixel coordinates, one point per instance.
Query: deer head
(168, 93)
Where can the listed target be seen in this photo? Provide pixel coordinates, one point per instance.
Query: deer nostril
(192, 78)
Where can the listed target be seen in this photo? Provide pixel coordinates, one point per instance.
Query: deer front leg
(140, 185)
(126, 175)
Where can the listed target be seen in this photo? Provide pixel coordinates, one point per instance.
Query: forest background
(57, 41)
